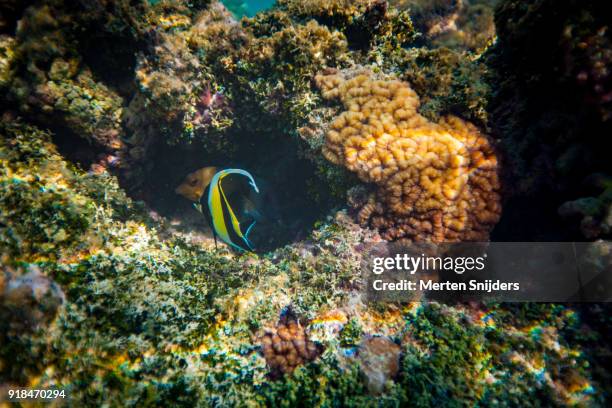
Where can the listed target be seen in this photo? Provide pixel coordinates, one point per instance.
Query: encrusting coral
(436, 181)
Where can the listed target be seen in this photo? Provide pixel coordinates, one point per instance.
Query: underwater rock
(29, 304)
(28, 300)
(7, 54)
(437, 181)
(39, 215)
(337, 13)
(433, 18)
(53, 83)
(75, 67)
(588, 63)
(446, 81)
(286, 347)
(365, 23)
(379, 362)
(327, 325)
(542, 56)
(457, 24)
(595, 212)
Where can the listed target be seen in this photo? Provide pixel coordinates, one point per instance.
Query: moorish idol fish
(225, 199)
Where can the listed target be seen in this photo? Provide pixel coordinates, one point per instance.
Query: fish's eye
(193, 182)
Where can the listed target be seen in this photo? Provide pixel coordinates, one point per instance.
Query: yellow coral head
(195, 183)
(437, 181)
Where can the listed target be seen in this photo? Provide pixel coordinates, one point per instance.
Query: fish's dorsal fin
(245, 173)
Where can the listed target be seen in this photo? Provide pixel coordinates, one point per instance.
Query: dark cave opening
(112, 60)
(73, 148)
(10, 14)
(534, 218)
(284, 178)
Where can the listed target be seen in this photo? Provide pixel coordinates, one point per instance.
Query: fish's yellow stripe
(235, 222)
(217, 213)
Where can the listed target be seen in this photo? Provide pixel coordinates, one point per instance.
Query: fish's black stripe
(229, 226)
(204, 198)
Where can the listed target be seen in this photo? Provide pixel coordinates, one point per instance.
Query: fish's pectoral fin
(248, 229)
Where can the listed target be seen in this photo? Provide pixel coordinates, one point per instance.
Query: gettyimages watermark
(492, 271)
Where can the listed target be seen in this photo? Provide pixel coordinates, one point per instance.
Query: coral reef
(437, 181)
(106, 101)
(187, 75)
(149, 317)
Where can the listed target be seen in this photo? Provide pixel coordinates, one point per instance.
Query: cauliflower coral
(436, 182)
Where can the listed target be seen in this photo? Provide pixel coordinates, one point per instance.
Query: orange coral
(436, 181)
(287, 346)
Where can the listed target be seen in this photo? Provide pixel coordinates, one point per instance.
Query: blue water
(241, 8)
(249, 8)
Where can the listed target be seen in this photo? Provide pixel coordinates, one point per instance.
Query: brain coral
(287, 346)
(436, 181)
